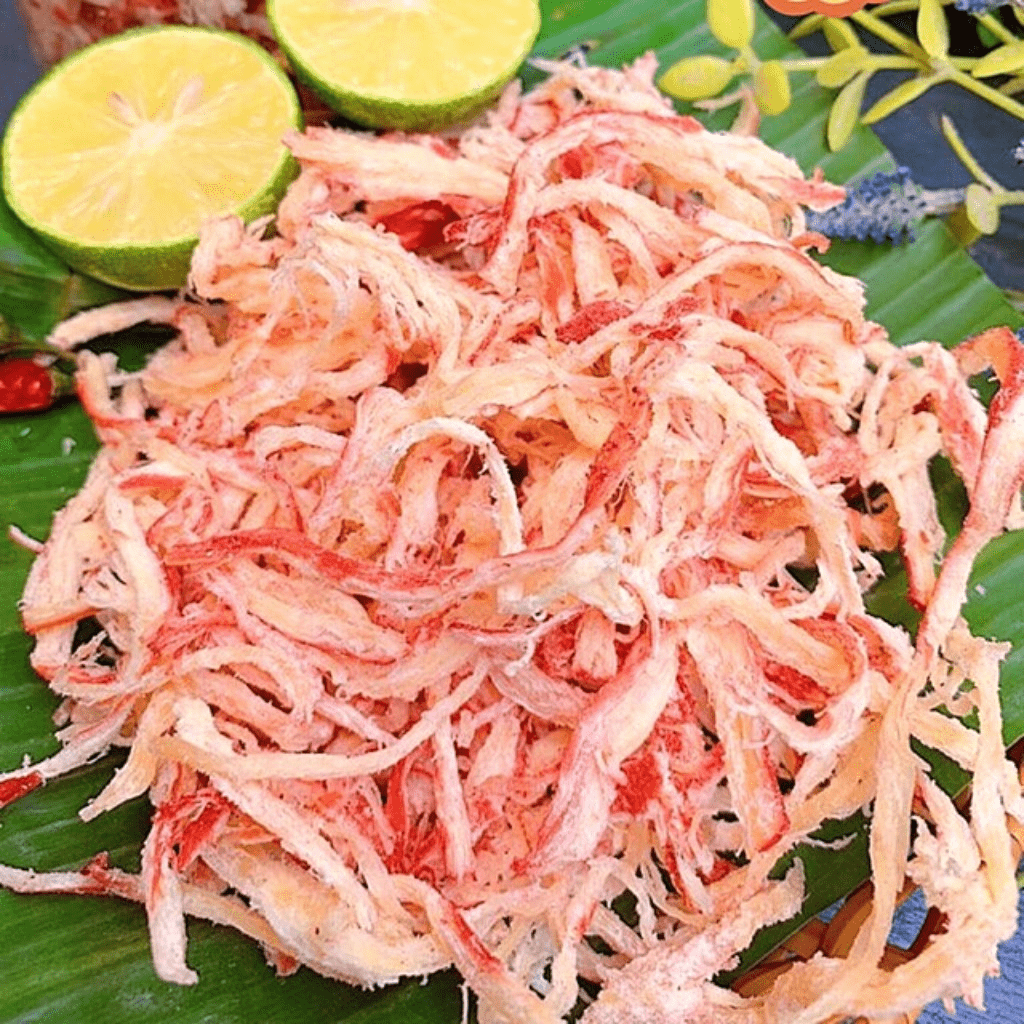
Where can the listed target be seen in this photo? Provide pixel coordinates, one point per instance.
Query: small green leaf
(697, 78)
(841, 67)
(982, 208)
(842, 118)
(840, 34)
(806, 26)
(905, 92)
(1005, 60)
(986, 36)
(932, 30)
(1018, 13)
(731, 22)
(771, 88)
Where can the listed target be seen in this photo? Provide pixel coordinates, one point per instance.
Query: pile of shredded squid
(59, 27)
(486, 555)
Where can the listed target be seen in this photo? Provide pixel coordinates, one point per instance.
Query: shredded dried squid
(489, 546)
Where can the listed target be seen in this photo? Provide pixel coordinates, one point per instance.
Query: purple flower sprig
(885, 207)
(890, 206)
(979, 6)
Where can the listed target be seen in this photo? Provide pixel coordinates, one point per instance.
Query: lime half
(120, 153)
(414, 65)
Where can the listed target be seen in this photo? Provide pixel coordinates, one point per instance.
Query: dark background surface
(913, 135)
(18, 68)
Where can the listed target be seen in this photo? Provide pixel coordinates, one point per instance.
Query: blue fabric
(1004, 996)
(18, 70)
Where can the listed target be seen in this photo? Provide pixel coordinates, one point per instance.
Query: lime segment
(121, 152)
(407, 64)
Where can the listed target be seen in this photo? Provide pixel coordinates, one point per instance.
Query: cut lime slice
(415, 65)
(121, 152)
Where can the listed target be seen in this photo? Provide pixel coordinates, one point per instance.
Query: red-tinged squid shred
(59, 27)
(490, 545)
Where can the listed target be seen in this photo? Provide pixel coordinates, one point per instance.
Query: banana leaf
(36, 288)
(86, 959)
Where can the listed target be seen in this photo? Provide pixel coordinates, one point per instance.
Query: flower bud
(697, 78)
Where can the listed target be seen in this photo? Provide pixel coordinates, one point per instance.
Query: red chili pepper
(27, 385)
(16, 788)
(24, 385)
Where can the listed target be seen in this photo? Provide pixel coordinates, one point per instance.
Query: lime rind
(162, 267)
(370, 111)
(372, 108)
(152, 265)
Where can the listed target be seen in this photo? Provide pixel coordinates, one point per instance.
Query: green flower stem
(967, 158)
(897, 40)
(892, 62)
(802, 63)
(965, 226)
(727, 99)
(750, 60)
(997, 28)
(806, 26)
(962, 228)
(14, 344)
(898, 7)
(994, 96)
(1012, 86)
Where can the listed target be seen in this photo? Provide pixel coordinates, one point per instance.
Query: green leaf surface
(986, 36)
(36, 288)
(86, 959)
(21, 252)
